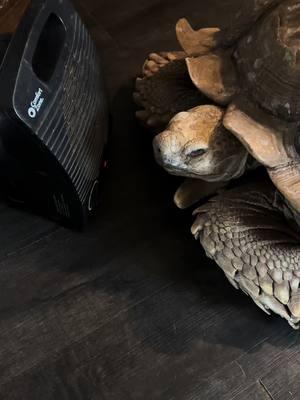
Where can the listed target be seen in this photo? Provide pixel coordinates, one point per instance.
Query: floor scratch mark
(265, 389)
(241, 368)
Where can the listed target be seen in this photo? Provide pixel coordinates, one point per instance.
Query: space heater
(53, 114)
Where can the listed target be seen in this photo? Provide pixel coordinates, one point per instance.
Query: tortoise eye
(197, 153)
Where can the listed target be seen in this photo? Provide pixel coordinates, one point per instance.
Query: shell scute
(269, 61)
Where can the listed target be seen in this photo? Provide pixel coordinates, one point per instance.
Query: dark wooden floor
(131, 308)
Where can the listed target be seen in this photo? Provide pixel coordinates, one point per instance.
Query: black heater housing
(53, 114)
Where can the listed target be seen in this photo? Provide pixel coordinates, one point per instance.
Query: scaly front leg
(164, 89)
(246, 234)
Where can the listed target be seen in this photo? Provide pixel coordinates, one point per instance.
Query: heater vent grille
(70, 128)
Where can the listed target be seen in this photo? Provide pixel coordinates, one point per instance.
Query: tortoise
(253, 231)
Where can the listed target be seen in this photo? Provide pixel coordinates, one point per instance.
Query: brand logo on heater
(36, 104)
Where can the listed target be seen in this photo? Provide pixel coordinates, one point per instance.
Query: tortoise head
(195, 144)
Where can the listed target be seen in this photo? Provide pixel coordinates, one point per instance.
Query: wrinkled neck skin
(287, 199)
(286, 177)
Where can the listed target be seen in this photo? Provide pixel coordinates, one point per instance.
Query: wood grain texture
(131, 308)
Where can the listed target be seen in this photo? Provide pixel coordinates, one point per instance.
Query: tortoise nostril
(157, 145)
(157, 148)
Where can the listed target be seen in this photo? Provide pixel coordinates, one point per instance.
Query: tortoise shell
(268, 61)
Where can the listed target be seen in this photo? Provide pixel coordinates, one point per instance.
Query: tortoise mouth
(187, 173)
